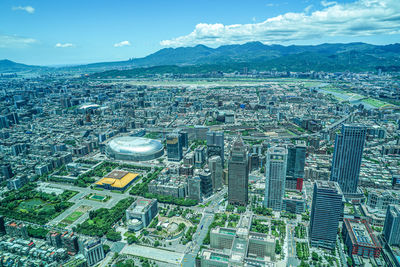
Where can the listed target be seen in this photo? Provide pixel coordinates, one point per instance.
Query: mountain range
(355, 57)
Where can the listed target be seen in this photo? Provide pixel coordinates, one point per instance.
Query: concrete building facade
(275, 177)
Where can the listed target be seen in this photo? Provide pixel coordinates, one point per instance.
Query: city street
(292, 260)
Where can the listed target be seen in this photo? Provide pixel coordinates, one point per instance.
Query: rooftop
(360, 233)
(118, 179)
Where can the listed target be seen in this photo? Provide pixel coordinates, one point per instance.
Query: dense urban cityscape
(251, 169)
(259, 133)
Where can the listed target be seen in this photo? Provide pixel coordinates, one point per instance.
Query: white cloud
(13, 41)
(359, 18)
(326, 3)
(123, 43)
(28, 9)
(60, 45)
(308, 8)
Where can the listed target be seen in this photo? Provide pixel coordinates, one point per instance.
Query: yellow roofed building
(117, 180)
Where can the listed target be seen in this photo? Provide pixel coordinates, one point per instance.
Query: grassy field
(375, 102)
(31, 204)
(75, 215)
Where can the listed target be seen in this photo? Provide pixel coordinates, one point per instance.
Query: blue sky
(46, 32)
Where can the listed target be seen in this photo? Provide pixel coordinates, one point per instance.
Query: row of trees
(261, 210)
(219, 220)
(87, 178)
(37, 232)
(101, 221)
(140, 189)
(173, 200)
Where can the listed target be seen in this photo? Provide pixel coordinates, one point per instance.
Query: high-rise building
(295, 166)
(254, 161)
(199, 156)
(206, 184)
(275, 176)
(326, 210)
(174, 147)
(92, 249)
(215, 144)
(194, 188)
(6, 171)
(391, 229)
(238, 174)
(53, 238)
(215, 166)
(70, 242)
(184, 136)
(346, 163)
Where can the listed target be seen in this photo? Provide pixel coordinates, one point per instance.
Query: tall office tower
(199, 156)
(174, 147)
(326, 210)
(184, 138)
(391, 229)
(6, 172)
(215, 144)
(206, 184)
(215, 165)
(194, 188)
(238, 174)
(295, 166)
(349, 145)
(275, 176)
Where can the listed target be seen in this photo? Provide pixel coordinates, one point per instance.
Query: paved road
(341, 254)
(292, 259)
(191, 253)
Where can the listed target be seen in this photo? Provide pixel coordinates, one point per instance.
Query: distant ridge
(11, 66)
(254, 55)
(355, 57)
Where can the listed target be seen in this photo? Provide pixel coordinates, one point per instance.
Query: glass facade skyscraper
(215, 165)
(215, 145)
(296, 159)
(174, 147)
(347, 156)
(391, 229)
(238, 174)
(326, 210)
